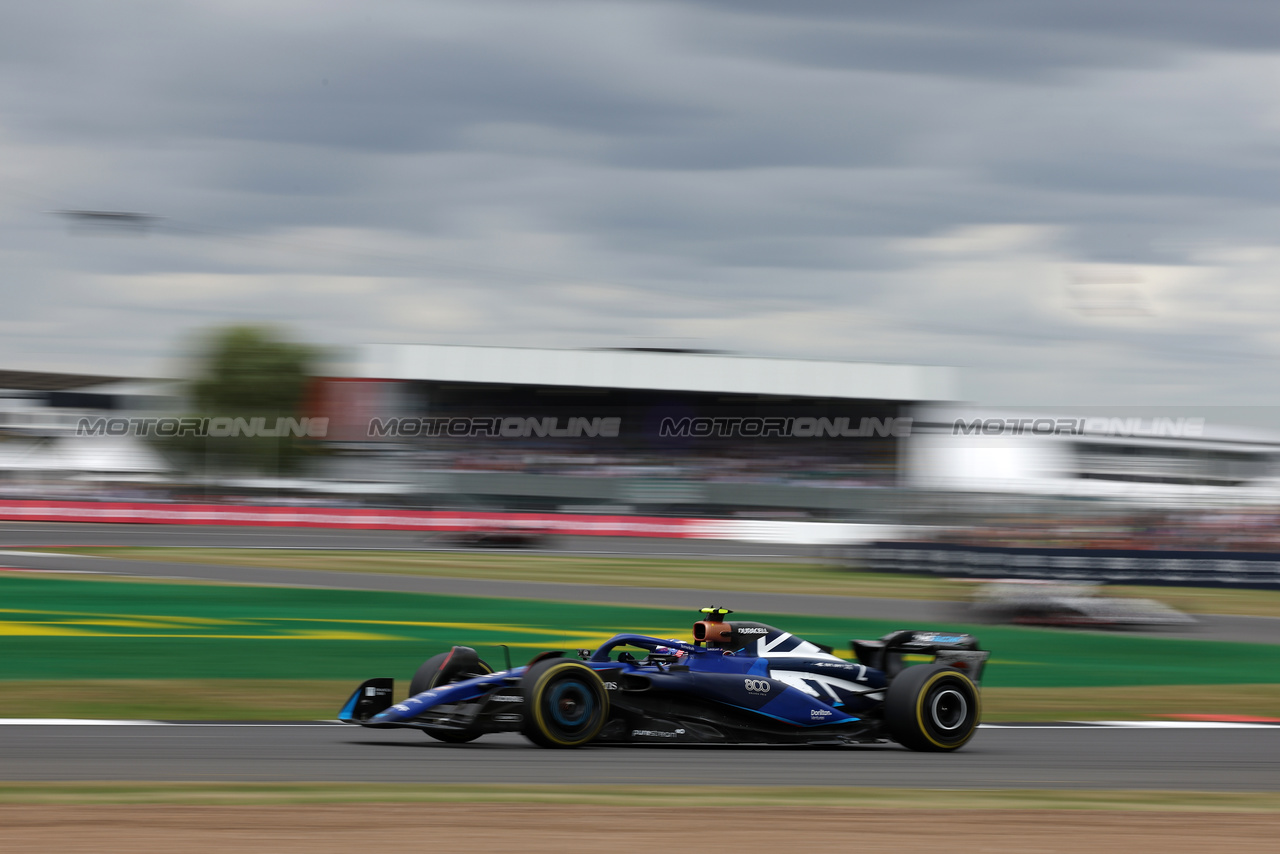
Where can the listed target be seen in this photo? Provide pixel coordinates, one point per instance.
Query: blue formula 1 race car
(736, 683)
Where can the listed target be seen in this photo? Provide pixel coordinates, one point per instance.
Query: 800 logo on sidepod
(757, 686)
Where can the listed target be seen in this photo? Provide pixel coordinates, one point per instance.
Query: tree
(247, 372)
(252, 370)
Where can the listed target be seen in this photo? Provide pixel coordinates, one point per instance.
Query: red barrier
(336, 517)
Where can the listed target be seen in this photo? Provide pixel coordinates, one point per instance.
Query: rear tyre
(459, 663)
(932, 707)
(565, 703)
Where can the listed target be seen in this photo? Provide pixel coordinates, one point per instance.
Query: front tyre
(457, 664)
(565, 703)
(932, 707)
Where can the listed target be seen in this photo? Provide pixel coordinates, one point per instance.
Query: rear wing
(888, 654)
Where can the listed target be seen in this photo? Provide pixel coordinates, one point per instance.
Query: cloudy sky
(1075, 203)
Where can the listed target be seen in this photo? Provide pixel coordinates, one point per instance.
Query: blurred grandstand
(731, 440)
(757, 462)
(692, 434)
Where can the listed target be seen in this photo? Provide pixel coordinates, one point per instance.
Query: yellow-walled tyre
(565, 703)
(932, 707)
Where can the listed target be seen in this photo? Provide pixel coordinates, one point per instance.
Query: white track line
(12, 553)
(73, 722)
(1182, 724)
(220, 724)
(1098, 725)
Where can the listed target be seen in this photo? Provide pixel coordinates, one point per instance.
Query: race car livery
(736, 682)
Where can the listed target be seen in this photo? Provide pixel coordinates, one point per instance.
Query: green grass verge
(178, 699)
(87, 627)
(648, 571)
(78, 631)
(320, 699)
(801, 797)
(1128, 703)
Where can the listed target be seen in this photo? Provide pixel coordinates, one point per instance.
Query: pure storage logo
(1173, 428)
(800, 428)
(510, 427)
(217, 428)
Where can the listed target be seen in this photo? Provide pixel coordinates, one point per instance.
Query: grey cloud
(383, 89)
(1237, 24)
(929, 47)
(581, 174)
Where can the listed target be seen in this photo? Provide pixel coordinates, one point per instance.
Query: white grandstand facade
(659, 370)
(1143, 456)
(644, 429)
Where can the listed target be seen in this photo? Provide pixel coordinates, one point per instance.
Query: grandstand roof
(50, 381)
(658, 370)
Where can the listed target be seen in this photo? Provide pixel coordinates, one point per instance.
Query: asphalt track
(17, 534)
(14, 536)
(1035, 757)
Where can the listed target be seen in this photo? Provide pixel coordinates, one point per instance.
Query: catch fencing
(1259, 570)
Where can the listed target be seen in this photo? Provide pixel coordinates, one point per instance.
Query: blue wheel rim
(571, 703)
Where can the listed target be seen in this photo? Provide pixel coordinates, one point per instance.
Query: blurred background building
(41, 455)
(679, 433)
(739, 431)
